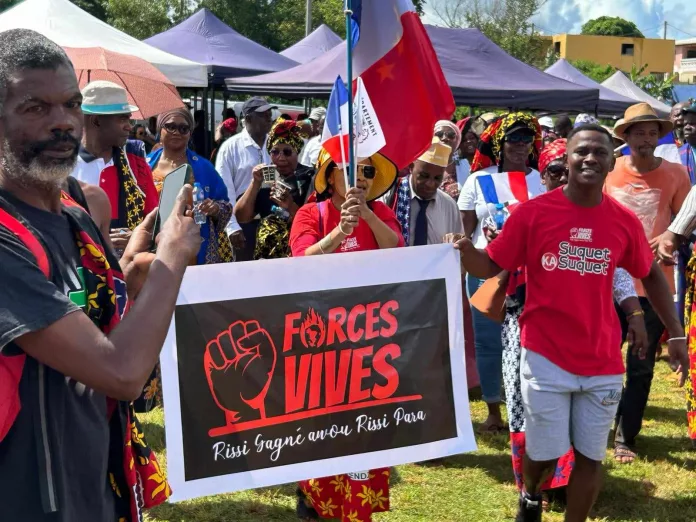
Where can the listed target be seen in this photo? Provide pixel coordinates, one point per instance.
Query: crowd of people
(591, 252)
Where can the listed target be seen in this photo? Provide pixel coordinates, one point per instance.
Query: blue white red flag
(334, 137)
(508, 188)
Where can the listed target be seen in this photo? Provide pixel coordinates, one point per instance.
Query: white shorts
(561, 409)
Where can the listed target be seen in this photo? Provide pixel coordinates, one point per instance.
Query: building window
(627, 49)
(691, 53)
(557, 48)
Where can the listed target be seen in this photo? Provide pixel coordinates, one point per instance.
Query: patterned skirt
(351, 497)
(690, 329)
(512, 352)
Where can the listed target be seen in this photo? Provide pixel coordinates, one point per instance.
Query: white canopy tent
(69, 26)
(621, 84)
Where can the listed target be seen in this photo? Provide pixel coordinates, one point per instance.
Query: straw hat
(438, 154)
(105, 98)
(385, 174)
(639, 113)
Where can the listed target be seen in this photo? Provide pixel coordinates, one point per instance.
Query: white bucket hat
(101, 97)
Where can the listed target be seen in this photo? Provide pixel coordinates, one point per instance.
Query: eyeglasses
(287, 152)
(446, 134)
(520, 138)
(182, 128)
(557, 171)
(368, 171)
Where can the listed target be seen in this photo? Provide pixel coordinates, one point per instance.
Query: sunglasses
(446, 134)
(557, 171)
(520, 138)
(286, 152)
(182, 128)
(368, 171)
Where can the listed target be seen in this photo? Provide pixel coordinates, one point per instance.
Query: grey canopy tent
(479, 73)
(611, 103)
(620, 83)
(322, 39)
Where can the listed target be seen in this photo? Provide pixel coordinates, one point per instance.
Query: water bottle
(280, 212)
(198, 197)
(499, 216)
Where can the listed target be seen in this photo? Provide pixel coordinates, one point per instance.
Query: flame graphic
(313, 330)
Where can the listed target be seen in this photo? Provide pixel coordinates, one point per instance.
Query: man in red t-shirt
(572, 239)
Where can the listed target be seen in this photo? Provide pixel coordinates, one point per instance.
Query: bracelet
(635, 313)
(676, 339)
(340, 228)
(326, 239)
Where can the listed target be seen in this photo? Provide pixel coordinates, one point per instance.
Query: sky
(567, 16)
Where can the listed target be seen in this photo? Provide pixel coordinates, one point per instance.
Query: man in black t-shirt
(54, 456)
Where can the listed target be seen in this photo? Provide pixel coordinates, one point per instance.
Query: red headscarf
(230, 125)
(553, 151)
(491, 143)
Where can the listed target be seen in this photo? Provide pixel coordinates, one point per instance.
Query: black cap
(519, 126)
(256, 104)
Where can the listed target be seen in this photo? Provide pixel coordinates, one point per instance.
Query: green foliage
(611, 26)
(593, 70)
(656, 85)
(140, 19)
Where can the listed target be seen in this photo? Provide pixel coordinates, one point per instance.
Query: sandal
(623, 454)
(305, 512)
(492, 428)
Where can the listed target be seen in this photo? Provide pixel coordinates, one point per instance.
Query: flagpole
(349, 85)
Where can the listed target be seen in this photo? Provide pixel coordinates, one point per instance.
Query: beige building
(685, 60)
(617, 51)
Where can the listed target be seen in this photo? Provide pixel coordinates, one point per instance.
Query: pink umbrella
(148, 89)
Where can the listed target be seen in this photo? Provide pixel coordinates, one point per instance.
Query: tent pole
(211, 135)
(204, 103)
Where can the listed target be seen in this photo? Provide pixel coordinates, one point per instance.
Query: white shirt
(310, 152)
(90, 172)
(669, 152)
(442, 215)
(471, 198)
(236, 159)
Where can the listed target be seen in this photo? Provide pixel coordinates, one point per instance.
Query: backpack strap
(29, 240)
(12, 367)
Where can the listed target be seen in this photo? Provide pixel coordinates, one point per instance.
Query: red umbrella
(148, 89)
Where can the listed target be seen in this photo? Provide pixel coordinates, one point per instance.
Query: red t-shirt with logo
(570, 253)
(307, 230)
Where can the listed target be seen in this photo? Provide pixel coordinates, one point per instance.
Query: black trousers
(639, 376)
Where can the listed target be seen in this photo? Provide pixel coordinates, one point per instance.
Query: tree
(138, 18)
(656, 85)
(593, 70)
(611, 26)
(506, 22)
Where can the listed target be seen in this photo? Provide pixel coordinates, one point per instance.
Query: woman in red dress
(346, 221)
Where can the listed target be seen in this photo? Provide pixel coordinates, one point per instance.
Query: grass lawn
(478, 487)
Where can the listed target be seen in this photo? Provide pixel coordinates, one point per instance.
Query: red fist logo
(239, 364)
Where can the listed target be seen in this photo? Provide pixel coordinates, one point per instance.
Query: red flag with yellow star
(399, 68)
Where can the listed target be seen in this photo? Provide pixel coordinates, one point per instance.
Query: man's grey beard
(37, 174)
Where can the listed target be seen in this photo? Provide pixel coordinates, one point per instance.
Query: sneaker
(530, 508)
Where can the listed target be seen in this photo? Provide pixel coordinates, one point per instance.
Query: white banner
(282, 370)
(369, 137)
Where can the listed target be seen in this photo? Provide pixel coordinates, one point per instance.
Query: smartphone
(171, 186)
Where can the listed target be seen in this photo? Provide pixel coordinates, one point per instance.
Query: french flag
(508, 188)
(399, 68)
(334, 137)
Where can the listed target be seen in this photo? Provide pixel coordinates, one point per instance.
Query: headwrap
(553, 151)
(230, 125)
(490, 145)
(584, 119)
(442, 124)
(288, 132)
(474, 124)
(165, 116)
(317, 114)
